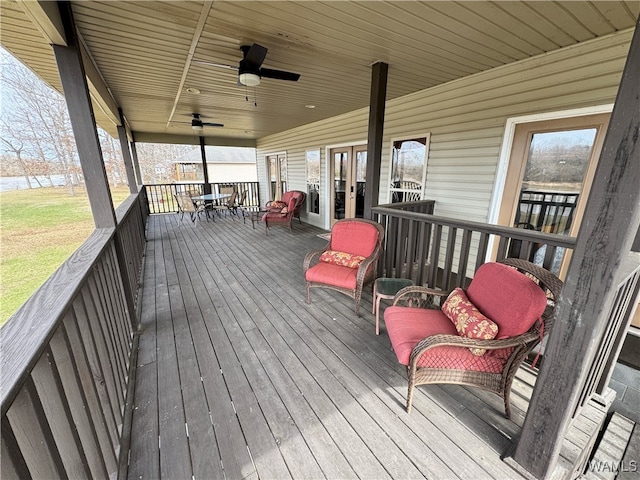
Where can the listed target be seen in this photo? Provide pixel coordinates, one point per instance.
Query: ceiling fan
(250, 70)
(198, 124)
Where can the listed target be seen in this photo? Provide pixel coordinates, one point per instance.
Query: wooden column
(126, 155)
(376, 127)
(610, 223)
(136, 162)
(76, 94)
(207, 185)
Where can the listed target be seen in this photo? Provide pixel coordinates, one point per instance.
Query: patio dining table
(210, 197)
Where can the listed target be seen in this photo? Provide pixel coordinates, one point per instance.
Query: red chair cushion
(509, 298)
(468, 320)
(357, 238)
(407, 326)
(276, 217)
(331, 274)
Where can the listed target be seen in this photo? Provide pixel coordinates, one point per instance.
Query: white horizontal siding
(466, 119)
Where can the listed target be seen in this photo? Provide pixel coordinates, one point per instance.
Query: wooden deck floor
(237, 377)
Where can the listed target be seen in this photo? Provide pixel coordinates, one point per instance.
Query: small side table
(386, 288)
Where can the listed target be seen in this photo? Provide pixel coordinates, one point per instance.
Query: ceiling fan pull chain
(255, 97)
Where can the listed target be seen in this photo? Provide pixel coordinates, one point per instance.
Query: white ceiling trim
(204, 14)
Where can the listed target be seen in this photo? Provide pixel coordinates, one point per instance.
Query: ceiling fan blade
(214, 64)
(255, 55)
(209, 124)
(279, 74)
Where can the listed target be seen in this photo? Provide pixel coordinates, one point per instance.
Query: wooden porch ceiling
(143, 56)
(238, 377)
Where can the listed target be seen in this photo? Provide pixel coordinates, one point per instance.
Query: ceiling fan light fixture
(249, 79)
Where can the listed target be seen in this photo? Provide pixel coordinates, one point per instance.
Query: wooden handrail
(66, 357)
(444, 252)
(161, 196)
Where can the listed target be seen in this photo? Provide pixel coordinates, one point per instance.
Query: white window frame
(268, 172)
(306, 164)
(505, 156)
(424, 168)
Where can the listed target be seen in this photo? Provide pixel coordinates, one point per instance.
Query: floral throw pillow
(277, 206)
(341, 258)
(468, 320)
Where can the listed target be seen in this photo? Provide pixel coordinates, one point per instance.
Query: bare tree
(156, 161)
(112, 157)
(40, 116)
(15, 146)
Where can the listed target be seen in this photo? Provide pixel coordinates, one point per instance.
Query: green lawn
(39, 229)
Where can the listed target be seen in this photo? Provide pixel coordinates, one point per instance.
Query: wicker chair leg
(412, 379)
(507, 404)
(358, 298)
(308, 293)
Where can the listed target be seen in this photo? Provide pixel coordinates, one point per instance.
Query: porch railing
(443, 252)
(65, 360)
(161, 197)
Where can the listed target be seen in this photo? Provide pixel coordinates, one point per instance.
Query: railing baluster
(48, 384)
(70, 378)
(448, 260)
(465, 251)
(435, 257)
(411, 249)
(414, 242)
(33, 434)
(103, 422)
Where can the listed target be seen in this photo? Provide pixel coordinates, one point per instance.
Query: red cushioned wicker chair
(283, 211)
(515, 296)
(349, 261)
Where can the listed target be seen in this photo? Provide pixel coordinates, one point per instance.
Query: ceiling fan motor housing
(249, 74)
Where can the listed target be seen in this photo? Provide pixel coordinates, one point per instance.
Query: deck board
(268, 386)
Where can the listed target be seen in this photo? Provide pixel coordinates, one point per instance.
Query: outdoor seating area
(177, 349)
(478, 336)
(231, 203)
(239, 377)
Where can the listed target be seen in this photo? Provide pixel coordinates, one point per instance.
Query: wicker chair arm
(412, 296)
(309, 258)
(456, 340)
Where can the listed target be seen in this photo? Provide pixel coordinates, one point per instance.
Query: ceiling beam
(204, 14)
(146, 137)
(46, 17)
(100, 92)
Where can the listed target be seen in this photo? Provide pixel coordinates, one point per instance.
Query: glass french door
(349, 167)
(277, 172)
(549, 178)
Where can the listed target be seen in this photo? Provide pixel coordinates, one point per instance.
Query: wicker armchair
(283, 211)
(348, 262)
(518, 296)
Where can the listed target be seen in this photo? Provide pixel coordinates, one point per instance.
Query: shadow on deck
(238, 377)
